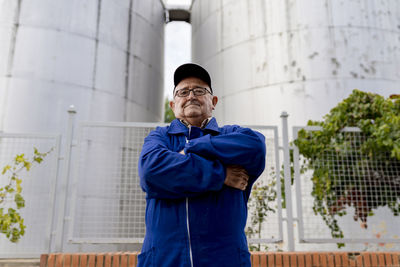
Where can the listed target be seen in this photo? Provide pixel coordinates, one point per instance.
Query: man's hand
(236, 177)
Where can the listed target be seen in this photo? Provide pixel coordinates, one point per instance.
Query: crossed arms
(209, 162)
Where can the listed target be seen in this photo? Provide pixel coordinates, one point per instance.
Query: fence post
(64, 182)
(288, 180)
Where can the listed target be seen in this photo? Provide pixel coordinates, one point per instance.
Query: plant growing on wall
(260, 203)
(349, 169)
(11, 199)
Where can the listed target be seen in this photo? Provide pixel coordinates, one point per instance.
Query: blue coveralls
(192, 218)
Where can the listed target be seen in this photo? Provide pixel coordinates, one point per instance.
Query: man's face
(193, 107)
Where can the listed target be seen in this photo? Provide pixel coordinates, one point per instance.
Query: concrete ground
(19, 262)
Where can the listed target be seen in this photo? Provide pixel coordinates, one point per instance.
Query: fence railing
(97, 200)
(107, 204)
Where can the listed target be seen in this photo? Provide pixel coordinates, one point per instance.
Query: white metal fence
(271, 228)
(108, 205)
(100, 198)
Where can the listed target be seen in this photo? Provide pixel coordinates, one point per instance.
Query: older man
(197, 177)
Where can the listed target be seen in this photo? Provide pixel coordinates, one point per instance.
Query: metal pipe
(64, 182)
(288, 183)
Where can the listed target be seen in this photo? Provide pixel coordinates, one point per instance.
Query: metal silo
(105, 57)
(299, 56)
(303, 57)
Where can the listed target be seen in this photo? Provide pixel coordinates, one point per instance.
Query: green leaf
(19, 200)
(18, 185)
(27, 165)
(5, 169)
(20, 158)
(38, 159)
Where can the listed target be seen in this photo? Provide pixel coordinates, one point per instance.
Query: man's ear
(214, 101)
(172, 105)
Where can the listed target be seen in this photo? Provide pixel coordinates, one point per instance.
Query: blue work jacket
(192, 218)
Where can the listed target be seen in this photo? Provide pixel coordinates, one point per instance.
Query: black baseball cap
(191, 70)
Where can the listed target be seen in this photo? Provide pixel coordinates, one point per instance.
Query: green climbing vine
(260, 204)
(338, 184)
(11, 199)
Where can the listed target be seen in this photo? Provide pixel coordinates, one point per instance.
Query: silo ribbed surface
(299, 56)
(105, 57)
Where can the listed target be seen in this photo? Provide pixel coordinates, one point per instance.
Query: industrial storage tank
(299, 56)
(302, 57)
(106, 58)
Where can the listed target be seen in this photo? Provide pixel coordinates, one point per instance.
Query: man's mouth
(190, 104)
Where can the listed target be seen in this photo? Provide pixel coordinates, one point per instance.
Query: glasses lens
(183, 92)
(199, 91)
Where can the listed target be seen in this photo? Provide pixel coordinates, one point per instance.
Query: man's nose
(191, 95)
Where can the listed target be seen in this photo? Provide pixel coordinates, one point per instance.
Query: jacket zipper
(188, 231)
(187, 219)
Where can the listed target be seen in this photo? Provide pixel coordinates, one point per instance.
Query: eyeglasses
(198, 91)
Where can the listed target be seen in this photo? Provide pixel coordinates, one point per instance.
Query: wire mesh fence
(108, 203)
(346, 195)
(265, 209)
(38, 190)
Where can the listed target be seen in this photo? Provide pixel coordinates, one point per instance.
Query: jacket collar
(177, 127)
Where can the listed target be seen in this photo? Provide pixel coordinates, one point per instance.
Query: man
(197, 178)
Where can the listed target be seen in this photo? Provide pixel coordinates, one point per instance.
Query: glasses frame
(192, 90)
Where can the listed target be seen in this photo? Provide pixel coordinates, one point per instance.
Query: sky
(178, 45)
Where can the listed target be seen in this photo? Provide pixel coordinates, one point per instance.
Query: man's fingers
(244, 176)
(240, 170)
(240, 184)
(243, 186)
(236, 177)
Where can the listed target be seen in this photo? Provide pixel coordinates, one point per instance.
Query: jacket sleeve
(242, 146)
(168, 174)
